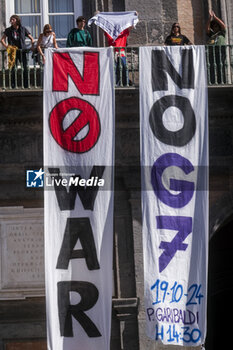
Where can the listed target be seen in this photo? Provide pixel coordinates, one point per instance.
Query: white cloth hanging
(114, 22)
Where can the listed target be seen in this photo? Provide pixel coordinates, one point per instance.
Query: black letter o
(174, 138)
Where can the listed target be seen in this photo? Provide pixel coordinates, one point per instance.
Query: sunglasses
(48, 31)
(176, 27)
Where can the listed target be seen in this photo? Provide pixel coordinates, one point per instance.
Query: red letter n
(63, 66)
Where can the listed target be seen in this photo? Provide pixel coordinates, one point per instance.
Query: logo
(35, 178)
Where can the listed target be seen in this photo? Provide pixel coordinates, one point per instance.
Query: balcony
(28, 73)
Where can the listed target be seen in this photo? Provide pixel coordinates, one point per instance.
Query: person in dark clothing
(79, 36)
(15, 36)
(176, 38)
(216, 31)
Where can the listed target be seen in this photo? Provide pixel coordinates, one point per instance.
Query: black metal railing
(219, 61)
(26, 72)
(21, 70)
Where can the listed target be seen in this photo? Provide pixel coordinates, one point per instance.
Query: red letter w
(63, 66)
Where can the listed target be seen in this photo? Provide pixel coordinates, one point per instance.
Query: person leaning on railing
(216, 31)
(13, 39)
(46, 40)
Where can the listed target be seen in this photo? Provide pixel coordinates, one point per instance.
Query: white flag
(174, 161)
(78, 158)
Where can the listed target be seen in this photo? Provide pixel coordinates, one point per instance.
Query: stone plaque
(22, 252)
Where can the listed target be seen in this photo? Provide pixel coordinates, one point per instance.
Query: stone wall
(21, 138)
(192, 20)
(21, 148)
(2, 17)
(156, 18)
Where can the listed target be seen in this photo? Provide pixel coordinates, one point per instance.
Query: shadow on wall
(200, 15)
(220, 288)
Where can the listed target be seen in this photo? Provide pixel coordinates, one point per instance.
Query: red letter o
(88, 116)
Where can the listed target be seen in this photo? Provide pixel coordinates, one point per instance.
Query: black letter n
(161, 65)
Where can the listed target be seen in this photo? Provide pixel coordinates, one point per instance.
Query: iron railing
(219, 61)
(27, 73)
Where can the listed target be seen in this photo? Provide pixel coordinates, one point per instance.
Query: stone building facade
(22, 301)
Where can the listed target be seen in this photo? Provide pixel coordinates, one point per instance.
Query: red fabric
(120, 41)
(63, 67)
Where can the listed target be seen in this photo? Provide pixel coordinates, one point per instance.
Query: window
(30, 13)
(36, 13)
(61, 18)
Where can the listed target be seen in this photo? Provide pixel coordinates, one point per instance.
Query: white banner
(78, 158)
(174, 161)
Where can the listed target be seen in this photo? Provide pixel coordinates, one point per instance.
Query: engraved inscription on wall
(23, 255)
(22, 252)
